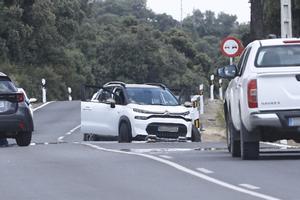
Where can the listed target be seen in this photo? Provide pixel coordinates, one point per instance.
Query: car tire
(124, 133)
(249, 149)
(233, 143)
(23, 138)
(196, 136)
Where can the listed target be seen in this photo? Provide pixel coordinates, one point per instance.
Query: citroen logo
(166, 112)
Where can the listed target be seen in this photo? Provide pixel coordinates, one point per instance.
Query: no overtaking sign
(231, 47)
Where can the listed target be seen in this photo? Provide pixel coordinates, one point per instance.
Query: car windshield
(151, 96)
(278, 56)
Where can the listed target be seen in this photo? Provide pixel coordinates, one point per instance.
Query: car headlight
(142, 111)
(185, 113)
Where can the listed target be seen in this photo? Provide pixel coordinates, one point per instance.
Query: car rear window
(278, 56)
(6, 86)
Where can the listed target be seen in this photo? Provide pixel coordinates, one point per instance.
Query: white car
(262, 101)
(136, 111)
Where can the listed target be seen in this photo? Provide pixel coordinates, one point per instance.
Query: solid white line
(205, 171)
(248, 186)
(189, 171)
(166, 157)
(41, 106)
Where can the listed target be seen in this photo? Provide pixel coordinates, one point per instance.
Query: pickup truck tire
(233, 143)
(196, 136)
(249, 149)
(23, 138)
(124, 133)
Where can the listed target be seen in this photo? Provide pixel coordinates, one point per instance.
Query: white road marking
(32, 144)
(248, 186)
(205, 171)
(156, 150)
(61, 138)
(41, 106)
(166, 157)
(189, 171)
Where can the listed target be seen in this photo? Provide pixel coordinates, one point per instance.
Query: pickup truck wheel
(234, 144)
(23, 138)
(196, 136)
(249, 149)
(124, 133)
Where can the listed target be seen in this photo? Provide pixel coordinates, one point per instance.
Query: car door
(98, 117)
(236, 87)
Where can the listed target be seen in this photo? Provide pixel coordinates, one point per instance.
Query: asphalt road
(58, 165)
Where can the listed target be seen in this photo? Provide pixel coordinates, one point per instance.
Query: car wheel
(196, 136)
(23, 138)
(249, 149)
(124, 133)
(233, 143)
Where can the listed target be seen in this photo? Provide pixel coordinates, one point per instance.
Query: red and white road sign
(231, 47)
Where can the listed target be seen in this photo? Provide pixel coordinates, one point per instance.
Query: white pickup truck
(262, 100)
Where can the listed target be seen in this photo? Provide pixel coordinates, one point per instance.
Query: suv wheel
(124, 133)
(23, 138)
(196, 136)
(233, 143)
(249, 149)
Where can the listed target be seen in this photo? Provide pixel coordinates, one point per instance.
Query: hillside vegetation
(71, 42)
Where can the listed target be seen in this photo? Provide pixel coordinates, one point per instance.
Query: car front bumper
(277, 119)
(150, 127)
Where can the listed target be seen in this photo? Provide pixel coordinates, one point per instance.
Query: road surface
(59, 165)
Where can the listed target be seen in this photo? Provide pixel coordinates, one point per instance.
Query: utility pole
(181, 12)
(286, 18)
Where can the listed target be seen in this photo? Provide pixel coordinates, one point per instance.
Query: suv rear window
(7, 86)
(278, 56)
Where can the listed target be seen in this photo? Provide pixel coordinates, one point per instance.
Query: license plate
(172, 129)
(294, 121)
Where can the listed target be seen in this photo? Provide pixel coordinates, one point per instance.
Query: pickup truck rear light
(292, 42)
(20, 97)
(252, 94)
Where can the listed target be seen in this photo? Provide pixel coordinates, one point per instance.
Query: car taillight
(252, 94)
(20, 97)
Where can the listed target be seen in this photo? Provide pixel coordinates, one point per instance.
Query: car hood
(158, 109)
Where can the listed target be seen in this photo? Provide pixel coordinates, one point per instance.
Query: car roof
(145, 85)
(279, 41)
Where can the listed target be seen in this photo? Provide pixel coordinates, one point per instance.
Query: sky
(240, 8)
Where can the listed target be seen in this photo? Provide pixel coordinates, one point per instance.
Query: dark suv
(15, 114)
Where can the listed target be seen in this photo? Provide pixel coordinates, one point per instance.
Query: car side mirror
(112, 102)
(32, 100)
(227, 72)
(188, 104)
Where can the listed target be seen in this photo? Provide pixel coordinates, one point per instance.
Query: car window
(105, 94)
(151, 96)
(239, 66)
(119, 96)
(278, 56)
(245, 61)
(7, 86)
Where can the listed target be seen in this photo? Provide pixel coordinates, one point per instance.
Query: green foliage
(72, 42)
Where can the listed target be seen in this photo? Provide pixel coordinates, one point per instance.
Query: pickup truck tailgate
(278, 91)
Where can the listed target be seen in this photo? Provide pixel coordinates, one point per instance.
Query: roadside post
(70, 93)
(220, 89)
(44, 91)
(196, 112)
(212, 78)
(201, 87)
